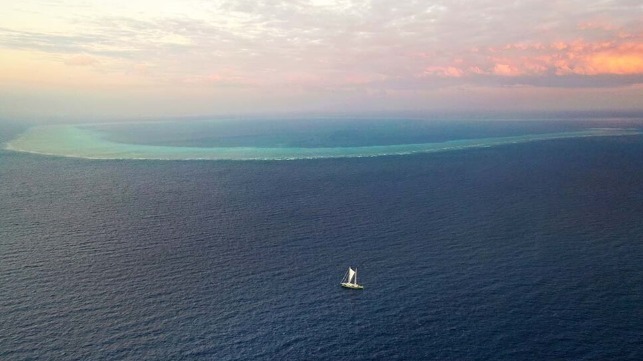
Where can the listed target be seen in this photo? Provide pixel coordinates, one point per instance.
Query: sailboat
(350, 280)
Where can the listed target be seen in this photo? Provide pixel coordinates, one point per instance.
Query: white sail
(350, 280)
(351, 274)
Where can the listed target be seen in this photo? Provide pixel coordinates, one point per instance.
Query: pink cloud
(506, 70)
(580, 57)
(444, 71)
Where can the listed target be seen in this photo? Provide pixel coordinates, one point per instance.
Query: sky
(140, 58)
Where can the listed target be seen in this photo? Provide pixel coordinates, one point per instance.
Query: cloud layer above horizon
(148, 58)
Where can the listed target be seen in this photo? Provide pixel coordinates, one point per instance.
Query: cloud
(626, 59)
(444, 71)
(327, 47)
(44, 41)
(620, 59)
(81, 60)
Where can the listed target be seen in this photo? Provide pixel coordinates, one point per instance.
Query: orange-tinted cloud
(560, 58)
(623, 60)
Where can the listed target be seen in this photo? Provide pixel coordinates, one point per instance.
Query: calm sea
(527, 251)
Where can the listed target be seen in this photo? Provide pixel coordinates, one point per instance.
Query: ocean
(523, 249)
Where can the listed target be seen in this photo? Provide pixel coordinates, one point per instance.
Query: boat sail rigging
(350, 280)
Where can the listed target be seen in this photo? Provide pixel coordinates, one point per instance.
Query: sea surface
(506, 250)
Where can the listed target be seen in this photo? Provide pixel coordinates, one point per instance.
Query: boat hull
(352, 286)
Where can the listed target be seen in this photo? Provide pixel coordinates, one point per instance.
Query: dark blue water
(519, 252)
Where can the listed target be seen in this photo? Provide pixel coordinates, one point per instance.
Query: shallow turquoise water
(97, 143)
